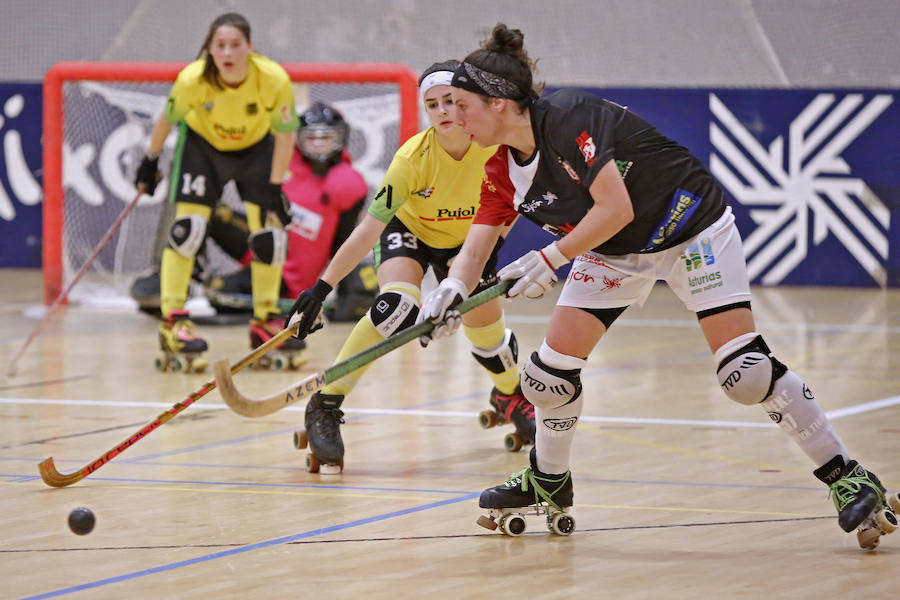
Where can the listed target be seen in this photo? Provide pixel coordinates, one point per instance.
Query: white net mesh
(106, 131)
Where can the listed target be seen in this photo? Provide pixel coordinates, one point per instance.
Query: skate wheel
(160, 363)
(312, 463)
(893, 501)
(487, 419)
(178, 364)
(198, 365)
(487, 522)
(868, 538)
(279, 363)
(300, 439)
(886, 520)
(512, 525)
(513, 442)
(297, 362)
(561, 524)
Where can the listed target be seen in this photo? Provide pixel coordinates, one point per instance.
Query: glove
(308, 309)
(148, 174)
(534, 272)
(438, 308)
(273, 199)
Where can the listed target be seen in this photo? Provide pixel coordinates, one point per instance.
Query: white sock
(793, 406)
(553, 444)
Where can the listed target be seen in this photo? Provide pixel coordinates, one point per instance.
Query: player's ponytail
(503, 55)
(210, 71)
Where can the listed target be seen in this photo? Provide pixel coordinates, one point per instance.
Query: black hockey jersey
(576, 134)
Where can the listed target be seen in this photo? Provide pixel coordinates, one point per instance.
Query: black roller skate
(510, 408)
(861, 501)
(529, 492)
(286, 356)
(180, 344)
(322, 434)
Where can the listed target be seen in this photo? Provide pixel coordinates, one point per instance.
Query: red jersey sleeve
(497, 192)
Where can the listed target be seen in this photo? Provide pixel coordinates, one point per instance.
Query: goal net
(97, 123)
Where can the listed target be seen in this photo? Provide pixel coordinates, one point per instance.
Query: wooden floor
(680, 493)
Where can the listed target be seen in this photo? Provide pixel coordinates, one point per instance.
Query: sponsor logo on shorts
(587, 147)
(696, 257)
(560, 424)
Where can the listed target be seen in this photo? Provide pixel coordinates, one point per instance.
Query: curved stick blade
(254, 408)
(54, 478)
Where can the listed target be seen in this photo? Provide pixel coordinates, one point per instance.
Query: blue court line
(249, 548)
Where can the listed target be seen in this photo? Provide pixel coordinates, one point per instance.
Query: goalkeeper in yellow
(235, 114)
(419, 218)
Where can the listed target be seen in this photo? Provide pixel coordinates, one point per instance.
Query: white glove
(437, 308)
(534, 272)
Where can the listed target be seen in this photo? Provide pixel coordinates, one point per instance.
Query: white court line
(761, 325)
(832, 415)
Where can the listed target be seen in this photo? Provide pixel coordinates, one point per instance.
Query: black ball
(81, 521)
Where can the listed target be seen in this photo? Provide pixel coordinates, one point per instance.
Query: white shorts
(707, 271)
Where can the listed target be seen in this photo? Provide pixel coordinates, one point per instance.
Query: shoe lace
(329, 420)
(526, 477)
(844, 490)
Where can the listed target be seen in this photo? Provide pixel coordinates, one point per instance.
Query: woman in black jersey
(630, 207)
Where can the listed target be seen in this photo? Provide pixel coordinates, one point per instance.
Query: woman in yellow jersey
(419, 218)
(235, 114)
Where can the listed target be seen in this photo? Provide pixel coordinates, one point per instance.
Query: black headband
(473, 79)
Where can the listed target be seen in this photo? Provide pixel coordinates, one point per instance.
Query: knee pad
(503, 357)
(548, 387)
(186, 235)
(747, 370)
(393, 310)
(269, 245)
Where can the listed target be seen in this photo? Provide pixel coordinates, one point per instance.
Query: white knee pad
(394, 309)
(269, 245)
(549, 379)
(747, 370)
(186, 235)
(499, 359)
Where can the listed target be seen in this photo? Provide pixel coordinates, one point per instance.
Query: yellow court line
(702, 510)
(678, 450)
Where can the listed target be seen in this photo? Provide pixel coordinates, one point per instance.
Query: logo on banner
(800, 190)
(22, 183)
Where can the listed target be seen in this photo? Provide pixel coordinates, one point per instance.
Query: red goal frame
(53, 117)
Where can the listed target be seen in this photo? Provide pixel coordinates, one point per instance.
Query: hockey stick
(54, 478)
(250, 407)
(11, 370)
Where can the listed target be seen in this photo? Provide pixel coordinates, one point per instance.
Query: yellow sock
(488, 338)
(175, 271)
(265, 279)
(364, 335)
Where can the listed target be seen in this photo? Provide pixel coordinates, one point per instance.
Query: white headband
(433, 79)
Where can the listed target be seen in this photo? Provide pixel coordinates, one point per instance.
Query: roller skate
(180, 345)
(529, 492)
(322, 434)
(513, 408)
(861, 501)
(286, 356)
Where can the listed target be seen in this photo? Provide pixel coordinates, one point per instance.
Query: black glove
(274, 199)
(148, 174)
(308, 309)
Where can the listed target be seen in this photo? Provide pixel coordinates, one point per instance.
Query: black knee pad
(393, 310)
(269, 245)
(503, 357)
(186, 235)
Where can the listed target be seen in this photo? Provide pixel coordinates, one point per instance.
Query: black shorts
(397, 240)
(202, 171)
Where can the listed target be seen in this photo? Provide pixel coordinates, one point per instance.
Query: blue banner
(20, 175)
(812, 176)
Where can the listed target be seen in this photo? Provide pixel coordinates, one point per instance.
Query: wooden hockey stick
(253, 408)
(11, 370)
(54, 478)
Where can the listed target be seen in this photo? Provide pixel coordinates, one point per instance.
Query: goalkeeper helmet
(322, 136)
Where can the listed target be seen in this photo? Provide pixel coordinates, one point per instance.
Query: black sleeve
(583, 132)
(346, 223)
